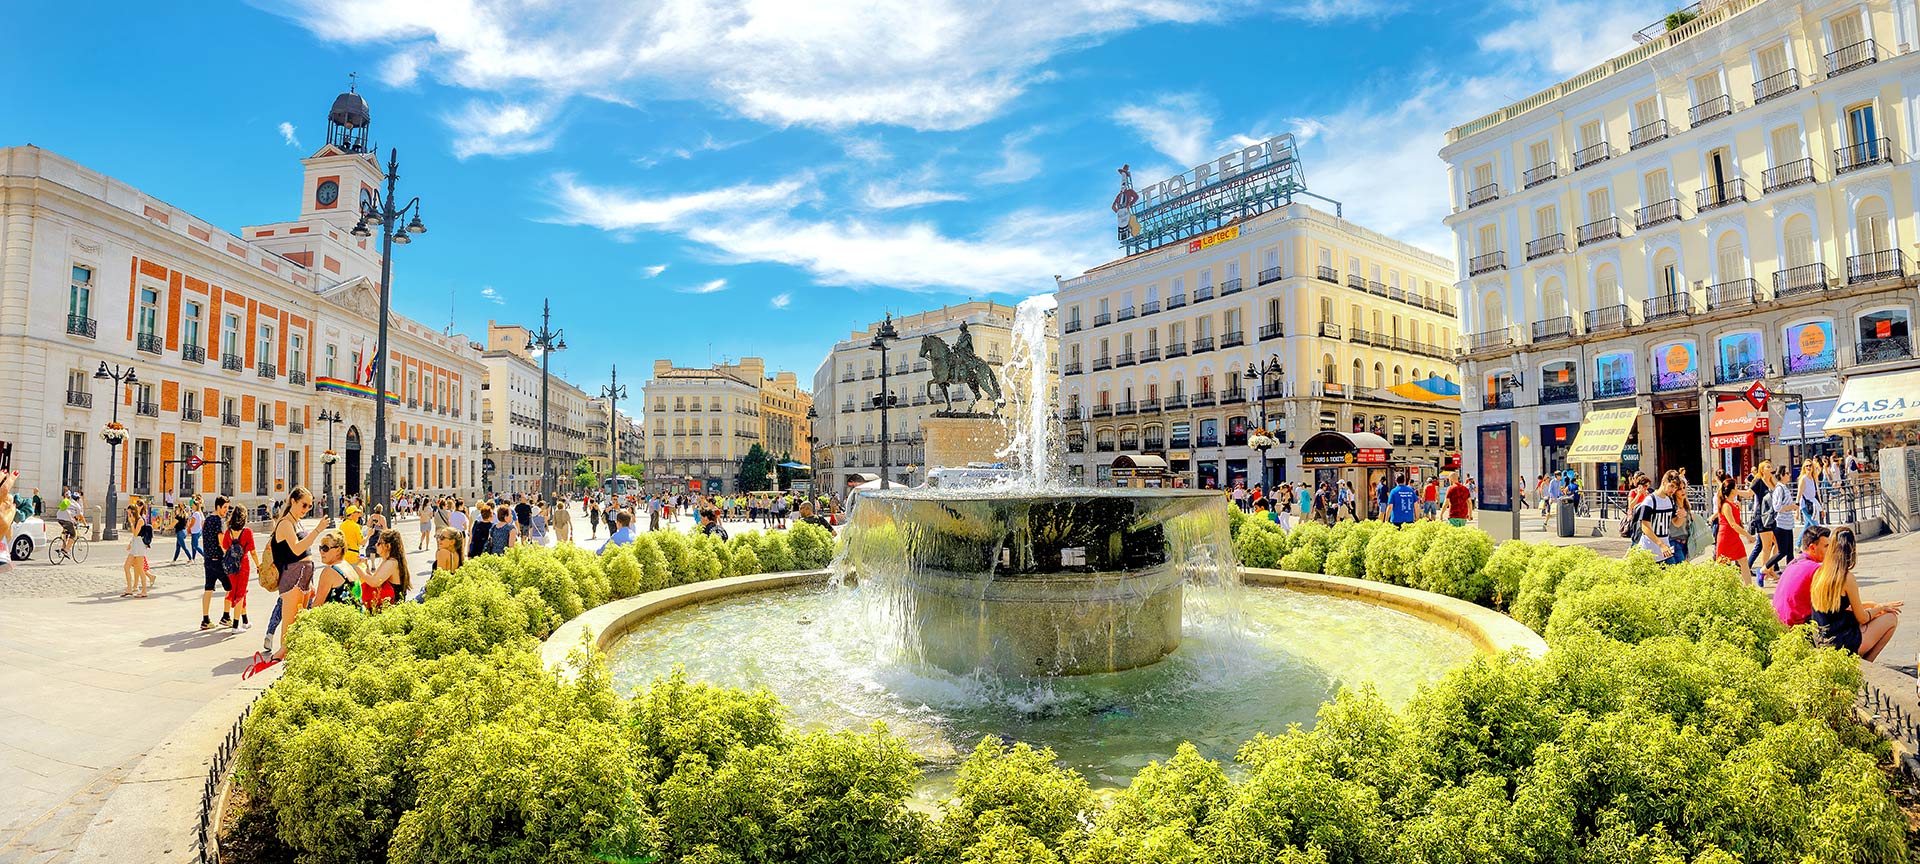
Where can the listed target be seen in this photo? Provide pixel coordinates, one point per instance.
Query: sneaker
(235, 626)
(225, 618)
(245, 624)
(206, 623)
(267, 646)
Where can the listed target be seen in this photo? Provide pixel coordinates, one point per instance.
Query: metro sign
(194, 463)
(1757, 395)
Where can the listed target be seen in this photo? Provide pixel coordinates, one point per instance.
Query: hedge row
(1672, 722)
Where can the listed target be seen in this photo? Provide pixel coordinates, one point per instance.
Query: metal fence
(1883, 713)
(207, 832)
(1851, 502)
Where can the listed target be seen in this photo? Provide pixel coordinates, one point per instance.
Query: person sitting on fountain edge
(710, 524)
(807, 515)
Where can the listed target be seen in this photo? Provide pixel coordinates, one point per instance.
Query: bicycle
(78, 554)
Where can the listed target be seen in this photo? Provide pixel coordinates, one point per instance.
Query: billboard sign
(1206, 198)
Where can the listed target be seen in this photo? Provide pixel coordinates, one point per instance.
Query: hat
(352, 510)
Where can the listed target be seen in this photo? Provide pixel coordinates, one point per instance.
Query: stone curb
(153, 814)
(606, 623)
(1490, 631)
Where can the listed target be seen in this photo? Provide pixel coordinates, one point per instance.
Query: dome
(350, 111)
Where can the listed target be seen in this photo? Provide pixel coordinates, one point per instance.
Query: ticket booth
(1362, 459)
(1139, 472)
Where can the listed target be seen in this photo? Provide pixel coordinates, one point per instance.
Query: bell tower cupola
(348, 121)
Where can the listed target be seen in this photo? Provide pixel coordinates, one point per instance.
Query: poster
(1496, 464)
(1209, 433)
(1613, 374)
(1740, 356)
(1675, 365)
(1811, 347)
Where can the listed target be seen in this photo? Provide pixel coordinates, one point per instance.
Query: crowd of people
(1393, 499)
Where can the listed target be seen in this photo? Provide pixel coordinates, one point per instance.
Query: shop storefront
(1877, 411)
(1360, 458)
(1677, 435)
(1139, 472)
(1602, 442)
(1556, 441)
(1736, 433)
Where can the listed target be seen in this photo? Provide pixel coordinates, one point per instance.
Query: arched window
(1379, 376)
(1327, 371)
(1359, 376)
(1797, 241)
(1553, 299)
(1354, 321)
(1493, 311)
(1870, 232)
(1326, 310)
(1730, 259)
(1606, 287)
(1666, 274)
(1399, 376)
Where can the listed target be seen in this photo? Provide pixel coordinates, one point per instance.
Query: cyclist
(68, 515)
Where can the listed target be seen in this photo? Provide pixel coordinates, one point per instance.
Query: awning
(1127, 460)
(1603, 434)
(1343, 448)
(796, 466)
(1733, 424)
(1872, 400)
(1818, 412)
(854, 479)
(1430, 389)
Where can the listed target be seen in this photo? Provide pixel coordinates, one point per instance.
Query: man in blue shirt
(621, 537)
(1403, 502)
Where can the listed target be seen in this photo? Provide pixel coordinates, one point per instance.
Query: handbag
(269, 572)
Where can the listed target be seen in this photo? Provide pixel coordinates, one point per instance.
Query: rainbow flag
(348, 388)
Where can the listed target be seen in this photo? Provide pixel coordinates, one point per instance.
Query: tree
(755, 468)
(637, 472)
(583, 476)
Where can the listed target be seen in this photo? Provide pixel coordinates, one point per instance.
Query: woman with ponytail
(1845, 620)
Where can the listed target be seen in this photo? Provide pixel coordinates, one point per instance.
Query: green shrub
(1347, 554)
(1453, 561)
(811, 545)
(1311, 541)
(1017, 786)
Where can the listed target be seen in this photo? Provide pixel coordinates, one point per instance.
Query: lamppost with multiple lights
(885, 398)
(548, 340)
(327, 459)
(1263, 374)
(113, 434)
(613, 393)
(385, 215)
(813, 455)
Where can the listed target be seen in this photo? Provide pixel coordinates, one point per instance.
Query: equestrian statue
(958, 367)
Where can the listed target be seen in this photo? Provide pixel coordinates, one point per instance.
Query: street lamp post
(613, 393)
(1261, 374)
(385, 215)
(114, 434)
(885, 398)
(548, 340)
(327, 459)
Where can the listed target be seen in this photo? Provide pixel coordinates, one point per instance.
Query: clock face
(328, 193)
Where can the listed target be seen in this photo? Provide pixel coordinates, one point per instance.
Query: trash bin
(1566, 519)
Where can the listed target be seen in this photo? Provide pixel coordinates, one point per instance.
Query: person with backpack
(234, 549)
(1652, 522)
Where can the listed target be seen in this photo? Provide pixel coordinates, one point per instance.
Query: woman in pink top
(1792, 600)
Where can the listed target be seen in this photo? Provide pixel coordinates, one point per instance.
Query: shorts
(1429, 508)
(221, 579)
(1456, 522)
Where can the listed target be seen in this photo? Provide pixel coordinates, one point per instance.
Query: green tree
(583, 476)
(755, 468)
(636, 471)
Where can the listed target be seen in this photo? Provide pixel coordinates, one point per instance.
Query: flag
(373, 364)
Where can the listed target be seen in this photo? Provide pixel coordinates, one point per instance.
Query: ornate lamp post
(613, 393)
(327, 460)
(548, 340)
(385, 215)
(885, 398)
(1261, 375)
(113, 434)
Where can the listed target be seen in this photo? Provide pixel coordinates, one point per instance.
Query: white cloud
(1173, 124)
(615, 210)
(502, 128)
(402, 68)
(653, 270)
(865, 149)
(492, 296)
(1565, 37)
(781, 300)
(895, 196)
(1016, 162)
(709, 287)
(287, 134)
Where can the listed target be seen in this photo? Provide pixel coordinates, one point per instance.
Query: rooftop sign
(1201, 200)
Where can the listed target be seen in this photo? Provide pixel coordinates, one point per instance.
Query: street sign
(194, 463)
(1630, 457)
(1757, 396)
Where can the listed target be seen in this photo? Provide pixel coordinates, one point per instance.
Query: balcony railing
(1883, 349)
(1720, 195)
(1359, 336)
(81, 325)
(1611, 387)
(1808, 364)
(1149, 353)
(1610, 318)
(1150, 405)
(1233, 397)
(1177, 301)
(79, 398)
(1733, 295)
(1806, 279)
(1329, 330)
(230, 420)
(265, 423)
(1552, 244)
(1501, 399)
(1553, 328)
(1272, 331)
(1776, 85)
(1202, 295)
(190, 415)
(1487, 340)
(1598, 153)
(1356, 281)
(1739, 370)
(1103, 410)
(230, 362)
(1123, 408)
(1124, 358)
(1203, 400)
(149, 343)
(1103, 319)
(1103, 446)
(1558, 393)
(1126, 314)
(1487, 263)
(1668, 306)
(296, 427)
(1641, 137)
(1101, 364)
(1710, 110)
(267, 370)
(1153, 445)
(1176, 349)
(1175, 403)
(1865, 154)
(1231, 286)
(1539, 174)
(1074, 325)
(1876, 266)
(1667, 382)
(1073, 367)
(1326, 274)
(146, 409)
(1852, 57)
(1598, 230)
(1489, 192)
(1657, 213)
(298, 377)
(1377, 289)
(1796, 173)
(1149, 307)
(1129, 445)
(1271, 274)
(1202, 344)
(1233, 338)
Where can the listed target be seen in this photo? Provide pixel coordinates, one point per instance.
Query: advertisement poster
(1811, 347)
(1209, 433)
(1740, 351)
(1613, 374)
(1496, 462)
(1675, 365)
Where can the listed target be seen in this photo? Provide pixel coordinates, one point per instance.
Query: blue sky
(705, 180)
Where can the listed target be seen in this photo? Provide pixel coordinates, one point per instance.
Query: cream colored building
(611, 435)
(239, 339)
(701, 422)
(848, 380)
(1729, 202)
(510, 417)
(1155, 346)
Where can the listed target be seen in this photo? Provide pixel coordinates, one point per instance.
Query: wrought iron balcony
(1359, 335)
(1598, 230)
(1733, 295)
(1329, 330)
(296, 427)
(1101, 364)
(1883, 349)
(1739, 370)
(1720, 195)
(1202, 295)
(1177, 300)
(1501, 399)
(1559, 392)
(1124, 408)
(1377, 289)
(1657, 213)
(1552, 244)
(1710, 110)
(1103, 410)
(1326, 274)
(1400, 295)
(79, 398)
(267, 370)
(1776, 85)
(298, 378)
(1668, 306)
(1802, 364)
(1477, 197)
(1866, 154)
(190, 415)
(1153, 445)
(1150, 405)
(1641, 137)
(146, 409)
(1073, 367)
(1611, 387)
(1202, 344)
(1593, 155)
(230, 420)
(1149, 354)
(1073, 325)
(1124, 358)
(81, 325)
(1103, 446)
(1487, 263)
(1610, 318)
(1230, 286)
(1203, 400)
(230, 362)
(1667, 382)
(1876, 266)
(1356, 281)
(1176, 349)
(1271, 274)
(1539, 174)
(1485, 340)
(149, 343)
(1233, 397)
(266, 424)
(1852, 57)
(1796, 173)
(1149, 307)
(1126, 314)
(1553, 328)
(1102, 319)
(1233, 338)
(1272, 331)
(1130, 445)
(1807, 279)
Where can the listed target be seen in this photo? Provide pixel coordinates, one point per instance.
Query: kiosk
(1362, 458)
(1139, 472)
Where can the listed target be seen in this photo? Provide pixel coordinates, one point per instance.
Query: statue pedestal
(952, 442)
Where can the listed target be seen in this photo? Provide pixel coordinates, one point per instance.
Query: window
(1546, 221)
(332, 354)
(1540, 153)
(297, 352)
(1482, 175)
(1489, 239)
(1884, 335)
(1646, 112)
(142, 466)
(263, 349)
(149, 316)
(190, 400)
(1599, 204)
(1591, 133)
(190, 323)
(1655, 186)
(73, 453)
(1606, 287)
(1730, 258)
(1848, 30)
(1666, 273)
(1797, 241)
(1863, 132)
(230, 335)
(1706, 88)
(1773, 61)
(261, 468)
(80, 293)
(1870, 227)
(1786, 145)
(227, 409)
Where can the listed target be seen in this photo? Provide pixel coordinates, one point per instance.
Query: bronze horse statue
(958, 369)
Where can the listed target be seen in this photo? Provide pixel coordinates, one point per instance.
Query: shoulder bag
(269, 572)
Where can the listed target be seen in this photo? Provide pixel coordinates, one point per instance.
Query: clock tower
(344, 173)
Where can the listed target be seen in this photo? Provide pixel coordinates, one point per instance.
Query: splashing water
(1029, 418)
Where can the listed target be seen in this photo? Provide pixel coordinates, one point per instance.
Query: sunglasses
(325, 546)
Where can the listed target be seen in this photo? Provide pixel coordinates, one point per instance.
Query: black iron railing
(230, 362)
(1233, 338)
(1667, 382)
(1125, 314)
(1101, 364)
(1202, 343)
(1668, 306)
(1779, 84)
(1176, 349)
(1272, 331)
(1149, 307)
(1852, 57)
(1482, 195)
(1657, 213)
(1598, 230)
(1539, 174)
(1553, 328)
(1491, 261)
(298, 377)
(1557, 393)
(149, 343)
(1124, 358)
(1610, 387)
(1597, 153)
(1271, 274)
(1788, 175)
(230, 420)
(1202, 295)
(146, 409)
(1231, 286)
(1720, 195)
(1733, 295)
(1610, 318)
(1486, 340)
(1552, 244)
(1865, 154)
(1883, 349)
(1150, 354)
(1710, 110)
(1177, 301)
(1806, 279)
(1103, 319)
(1641, 137)
(1326, 274)
(267, 370)
(1739, 370)
(79, 398)
(81, 325)
(1073, 325)
(190, 415)
(1876, 266)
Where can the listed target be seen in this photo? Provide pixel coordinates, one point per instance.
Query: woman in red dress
(1731, 545)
